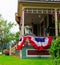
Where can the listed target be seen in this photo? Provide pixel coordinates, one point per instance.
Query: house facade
(39, 17)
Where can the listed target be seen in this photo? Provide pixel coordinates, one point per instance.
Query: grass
(10, 60)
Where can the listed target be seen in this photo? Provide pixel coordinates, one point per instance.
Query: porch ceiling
(30, 18)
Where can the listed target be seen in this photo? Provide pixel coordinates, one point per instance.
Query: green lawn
(9, 60)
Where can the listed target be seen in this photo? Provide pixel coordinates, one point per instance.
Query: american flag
(39, 43)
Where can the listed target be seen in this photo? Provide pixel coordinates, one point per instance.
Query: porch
(41, 19)
(40, 22)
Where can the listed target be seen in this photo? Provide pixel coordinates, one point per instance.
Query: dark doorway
(35, 29)
(51, 27)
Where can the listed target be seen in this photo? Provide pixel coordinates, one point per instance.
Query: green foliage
(17, 36)
(55, 48)
(5, 32)
(55, 51)
(56, 61)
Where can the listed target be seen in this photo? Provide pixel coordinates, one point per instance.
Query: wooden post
(22, 30)
(22, 24)
(21, 54)
(56, 24)
(10, 50)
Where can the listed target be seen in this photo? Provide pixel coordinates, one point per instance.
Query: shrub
(57, 61)
(55, 50)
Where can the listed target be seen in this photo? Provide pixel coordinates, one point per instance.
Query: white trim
(36, 55)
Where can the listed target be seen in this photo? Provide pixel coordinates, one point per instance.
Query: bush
(56, 61)
(55, 50)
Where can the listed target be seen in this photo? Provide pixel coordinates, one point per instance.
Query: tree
(5, 34)
(17, 36)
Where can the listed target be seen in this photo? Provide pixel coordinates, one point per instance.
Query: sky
(8, 8)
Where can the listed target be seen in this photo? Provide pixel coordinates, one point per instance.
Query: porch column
(22, 29)
(56, 24)
(22, 21)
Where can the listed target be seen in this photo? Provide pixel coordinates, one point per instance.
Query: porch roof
(40, 1)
